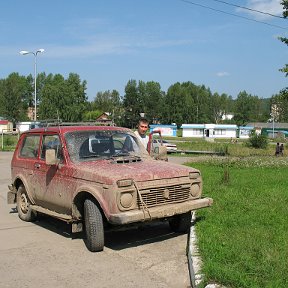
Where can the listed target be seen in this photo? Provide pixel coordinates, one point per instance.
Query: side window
(51, 142)
(30, 146)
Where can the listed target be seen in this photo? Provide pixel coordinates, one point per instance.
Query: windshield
(88, 145)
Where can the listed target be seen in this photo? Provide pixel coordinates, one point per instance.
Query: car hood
(108, 172)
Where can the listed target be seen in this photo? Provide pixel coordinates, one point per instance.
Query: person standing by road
(281, 152)
(277, 149)
(142, 128)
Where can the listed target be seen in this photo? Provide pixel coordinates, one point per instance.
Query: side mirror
(50, 157)
(160, 153)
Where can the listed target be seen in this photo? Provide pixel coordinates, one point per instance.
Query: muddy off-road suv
(97, 177)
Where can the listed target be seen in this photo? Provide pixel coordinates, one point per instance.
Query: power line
(232, 14)
(250, 9)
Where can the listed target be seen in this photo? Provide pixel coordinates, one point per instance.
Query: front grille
(164, 195)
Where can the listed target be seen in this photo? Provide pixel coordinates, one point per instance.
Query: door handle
(37, 165)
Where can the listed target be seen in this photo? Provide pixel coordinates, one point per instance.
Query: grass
(8, 142)
(243, 237)
(222, 145)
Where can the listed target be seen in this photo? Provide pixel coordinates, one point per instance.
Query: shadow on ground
(116, 238)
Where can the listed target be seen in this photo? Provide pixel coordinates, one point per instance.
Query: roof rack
(58, 122)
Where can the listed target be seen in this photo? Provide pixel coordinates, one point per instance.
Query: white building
(6, 126)
(245, 131)
(24, 126)
(209, 130)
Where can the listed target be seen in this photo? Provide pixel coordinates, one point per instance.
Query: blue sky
(109, 42)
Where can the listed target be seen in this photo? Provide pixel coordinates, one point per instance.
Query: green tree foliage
(110, 102)
(189, 103)
(14, 97)
(152, 99)
(279, 104)
(131, 104)
(220, 106)
(284, 39)
(63, 98)
(246, 107)
(144, 97)
(91, 115)
(280, 101)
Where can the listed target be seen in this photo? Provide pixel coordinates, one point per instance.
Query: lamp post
(273, 124)
(35, 76)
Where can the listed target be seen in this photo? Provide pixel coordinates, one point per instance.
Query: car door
(24, 163)
(55, 192)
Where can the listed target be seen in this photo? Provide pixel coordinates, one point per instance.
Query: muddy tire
(181, 223)
(25, 212)
(94, 230)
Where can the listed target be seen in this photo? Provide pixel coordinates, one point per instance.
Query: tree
(132, 104)
(63, 99)
(152, 99)
(14, 97)
(284, 39)
(245, 108)
(108, 101)
(279, 106)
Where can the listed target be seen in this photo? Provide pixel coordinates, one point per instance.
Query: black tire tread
(94, 228)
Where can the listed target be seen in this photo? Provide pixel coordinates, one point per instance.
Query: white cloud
(267, 6)
(222, 74)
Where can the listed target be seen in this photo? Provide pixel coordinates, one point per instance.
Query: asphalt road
(44, 253)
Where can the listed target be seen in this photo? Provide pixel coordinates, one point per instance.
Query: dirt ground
(44, 253)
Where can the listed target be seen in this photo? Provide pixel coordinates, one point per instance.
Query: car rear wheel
(25, 212)
(181, 223)
(94, 230)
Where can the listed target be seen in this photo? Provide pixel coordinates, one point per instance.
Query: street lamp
(35, 76)
(273, 124)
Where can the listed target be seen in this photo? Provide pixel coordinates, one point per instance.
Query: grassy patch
(233, 149)
(243, 237)
(8, 142)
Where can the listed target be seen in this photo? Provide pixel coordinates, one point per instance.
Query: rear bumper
(159, 212)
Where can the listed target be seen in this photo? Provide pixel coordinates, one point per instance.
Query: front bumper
(158, 212)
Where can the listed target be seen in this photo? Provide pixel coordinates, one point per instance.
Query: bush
(258, 141)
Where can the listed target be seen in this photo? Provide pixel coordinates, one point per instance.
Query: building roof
(209, 126)
(165, 126)
(268, 125)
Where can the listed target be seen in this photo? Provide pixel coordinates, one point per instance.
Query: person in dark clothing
(281, 150)
(277, 150)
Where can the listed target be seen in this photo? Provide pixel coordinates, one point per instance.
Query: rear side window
(30, 146)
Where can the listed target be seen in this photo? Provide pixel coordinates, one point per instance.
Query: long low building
(215, 131)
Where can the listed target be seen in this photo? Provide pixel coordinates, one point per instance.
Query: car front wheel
(94, 230)
(25, 212)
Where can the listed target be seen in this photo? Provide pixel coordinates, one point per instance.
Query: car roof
(64, 129)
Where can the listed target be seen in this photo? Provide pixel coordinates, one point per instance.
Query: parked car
(170, 147)
(97, 177)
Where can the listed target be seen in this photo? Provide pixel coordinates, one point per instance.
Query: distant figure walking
(281, 151)
(277, 150)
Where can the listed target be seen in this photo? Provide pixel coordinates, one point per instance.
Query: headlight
(195, 189)
(126, 200)
(124, 183)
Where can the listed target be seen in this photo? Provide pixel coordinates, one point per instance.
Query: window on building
(219, 132)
